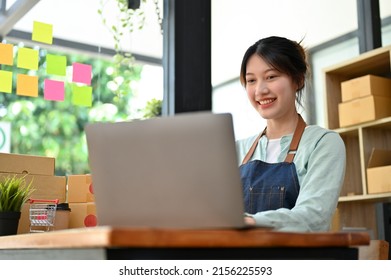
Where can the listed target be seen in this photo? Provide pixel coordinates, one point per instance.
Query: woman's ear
(300, 85)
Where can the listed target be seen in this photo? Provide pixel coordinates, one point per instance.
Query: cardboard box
(364, 86)
(378, 171)
(83, 215)
(16, 163)
(363, 109)
(24, 221)
(45, 187)
(80, 188)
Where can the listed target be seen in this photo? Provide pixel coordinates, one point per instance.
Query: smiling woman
(292, 173)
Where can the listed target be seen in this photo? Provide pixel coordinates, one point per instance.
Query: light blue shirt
(320, 164)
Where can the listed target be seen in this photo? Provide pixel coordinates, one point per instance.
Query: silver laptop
(170, 172)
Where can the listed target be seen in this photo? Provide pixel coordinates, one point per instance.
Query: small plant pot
(9, 222)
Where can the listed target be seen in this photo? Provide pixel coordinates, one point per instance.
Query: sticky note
(53, 90)
(56, 64)
(6, 54)
(82, 95)
(82, 73)
(5, 81)
(42, 32)
(28, 59)
(27, 85)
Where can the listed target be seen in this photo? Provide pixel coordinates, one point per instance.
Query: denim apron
(269, 186)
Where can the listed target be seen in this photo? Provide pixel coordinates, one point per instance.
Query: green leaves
(153, 108)
(14, 192)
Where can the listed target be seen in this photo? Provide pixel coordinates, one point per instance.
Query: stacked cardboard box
(81, 200)
(364, 99)
(378, 172)
(38, 170)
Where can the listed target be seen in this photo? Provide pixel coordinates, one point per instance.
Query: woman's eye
(271, 77)
(250, 81)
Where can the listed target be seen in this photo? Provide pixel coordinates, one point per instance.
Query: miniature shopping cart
(42, 214)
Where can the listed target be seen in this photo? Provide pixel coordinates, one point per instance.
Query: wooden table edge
(171, 238)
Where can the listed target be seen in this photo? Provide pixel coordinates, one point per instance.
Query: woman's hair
(282, 54)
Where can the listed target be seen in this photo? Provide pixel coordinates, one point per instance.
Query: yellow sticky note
(82, 95)
(27, 85)
(42, 32)
(6, 54)
(5, 81)
(27, 59)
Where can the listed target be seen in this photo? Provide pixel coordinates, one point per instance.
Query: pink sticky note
(82, 73)
(54, 90)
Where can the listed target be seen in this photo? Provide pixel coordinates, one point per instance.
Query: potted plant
(14, 192)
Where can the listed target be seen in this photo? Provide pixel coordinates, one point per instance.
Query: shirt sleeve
(319, 190)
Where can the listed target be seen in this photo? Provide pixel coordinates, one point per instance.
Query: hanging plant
(153, 108)
(127, 21)
(131, 17)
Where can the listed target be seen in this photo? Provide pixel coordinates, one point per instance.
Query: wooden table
(144, 244)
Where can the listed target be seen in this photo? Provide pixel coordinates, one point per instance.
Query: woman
(292, 173)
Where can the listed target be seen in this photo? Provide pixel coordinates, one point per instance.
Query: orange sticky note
(42, 32)
(27, 85)
(6, 54)
(28, 59)
(5, 81)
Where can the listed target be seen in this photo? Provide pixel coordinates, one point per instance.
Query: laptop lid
(173, 172)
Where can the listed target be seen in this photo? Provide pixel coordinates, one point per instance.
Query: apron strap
(253, 147)
(292, 148)
(295, 140)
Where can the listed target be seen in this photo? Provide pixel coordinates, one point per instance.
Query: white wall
(238, 24)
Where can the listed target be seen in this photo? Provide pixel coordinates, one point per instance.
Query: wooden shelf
(358, 210)
(381, 123)
(380, 197)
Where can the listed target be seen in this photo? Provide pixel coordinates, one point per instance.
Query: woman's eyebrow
(266, 71)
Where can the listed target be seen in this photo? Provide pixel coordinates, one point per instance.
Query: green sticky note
(82, 95)
(28, 59)
(5, 81)
(56, 64)
(42, 32)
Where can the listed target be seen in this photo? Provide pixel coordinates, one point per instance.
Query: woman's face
(271, 92)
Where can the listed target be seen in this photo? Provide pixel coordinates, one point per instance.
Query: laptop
(177, 171)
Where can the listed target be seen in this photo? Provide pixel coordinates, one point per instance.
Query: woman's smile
(266, 101)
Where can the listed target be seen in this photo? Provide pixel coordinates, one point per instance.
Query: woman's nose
(262, 88)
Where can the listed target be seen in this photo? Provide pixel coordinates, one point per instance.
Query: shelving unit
(356, 207)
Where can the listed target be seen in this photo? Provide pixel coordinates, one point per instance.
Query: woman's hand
(249, 221)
